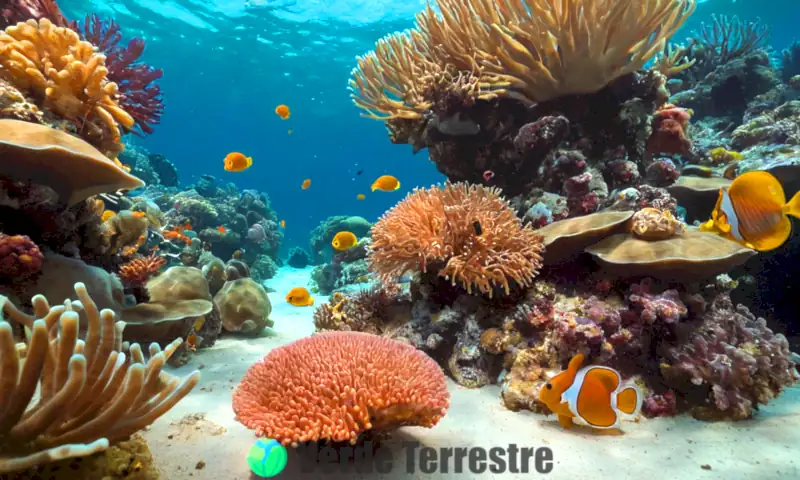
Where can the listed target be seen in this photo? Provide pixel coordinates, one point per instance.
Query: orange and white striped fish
(594, 394)
(753, 212)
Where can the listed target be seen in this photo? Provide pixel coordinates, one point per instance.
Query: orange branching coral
(139, 270)
(65, 73)
(336, 385)
(468, 230)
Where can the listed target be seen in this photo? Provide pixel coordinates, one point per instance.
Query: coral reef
(244, 306)
(19, 257)
(358, 377)
(66, 422)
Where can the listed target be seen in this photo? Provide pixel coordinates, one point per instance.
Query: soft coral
(138, 95)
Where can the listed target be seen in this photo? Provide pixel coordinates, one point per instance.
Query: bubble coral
(67, 74)
(139, 270)
(337, 385)
(19, 257)
(468, 232)
(654, 224)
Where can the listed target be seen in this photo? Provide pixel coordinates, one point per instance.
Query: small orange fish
(106, 215)
(283, 112)
(299, 297)
(344, 241)
(306, 184)
(222, 229)
(753, 211)
(237, 162)
(137, 214)
(361, 196)
(191, 342)
(594, 394)
(283, 223)
(386, 183)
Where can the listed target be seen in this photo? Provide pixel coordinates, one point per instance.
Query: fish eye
(549, 387)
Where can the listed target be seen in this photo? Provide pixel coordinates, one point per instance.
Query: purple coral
(733, 360)
(662, 173)
(138, 95)
(256, 233)
(666, 307)
(537, 139)
(19, 257)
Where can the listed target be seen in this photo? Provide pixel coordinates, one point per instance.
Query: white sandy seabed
(200, 439)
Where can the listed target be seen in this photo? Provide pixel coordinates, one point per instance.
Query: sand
(200, 439)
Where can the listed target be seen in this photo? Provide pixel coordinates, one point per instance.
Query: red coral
(138, 95)
(670, 124)
(19, 257)
(139, 270)
(336, 385)
(15, 11)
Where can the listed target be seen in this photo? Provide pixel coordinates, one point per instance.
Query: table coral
(66, 74)
(89, 394)
(465, 233)
(337, 385)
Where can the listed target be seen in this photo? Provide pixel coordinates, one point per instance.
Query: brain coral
(336, 385)
(470, 230)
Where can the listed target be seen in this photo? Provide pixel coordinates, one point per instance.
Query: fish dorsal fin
(758, 187)
(575, 364)
(607, 377)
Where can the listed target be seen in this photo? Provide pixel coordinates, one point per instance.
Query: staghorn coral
(64, 73)
(466, 233)
(19, 257)
(139, 270)
(731, 360)
(88, 396)
(337, 385)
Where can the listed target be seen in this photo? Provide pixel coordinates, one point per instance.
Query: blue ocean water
(229, 63)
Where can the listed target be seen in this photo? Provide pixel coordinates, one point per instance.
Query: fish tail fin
(249, 161)
(629, 399)
(398, 186)
(310, 301)
(793, 206)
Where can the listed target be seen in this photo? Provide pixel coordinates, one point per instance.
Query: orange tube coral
(335, 385)
(67, 74)
(470, 229)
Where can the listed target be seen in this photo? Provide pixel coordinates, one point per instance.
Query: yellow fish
(299, 297)
(361, 196)
(594, 394)
(306, 184)
(753, 211)
(386, 183)
(106, 215)
(237, 162)
(344, 241)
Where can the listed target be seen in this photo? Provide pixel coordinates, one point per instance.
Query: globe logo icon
(267, 457)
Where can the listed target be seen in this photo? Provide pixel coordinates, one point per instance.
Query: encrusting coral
(337, 385)
(139, 270)
(90, 394)
(66, 74)
(468, 234)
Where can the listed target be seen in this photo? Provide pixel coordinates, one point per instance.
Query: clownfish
(594, 394)
(753, 212)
